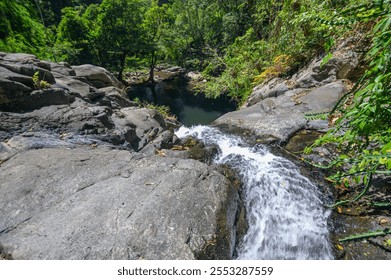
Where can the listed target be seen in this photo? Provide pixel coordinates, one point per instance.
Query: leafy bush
(281, 65)
(362, 132)
(21, 29)
(161, 109)
(283, 37)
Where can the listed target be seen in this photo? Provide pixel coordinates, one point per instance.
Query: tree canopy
(235, 43)
(231, 41)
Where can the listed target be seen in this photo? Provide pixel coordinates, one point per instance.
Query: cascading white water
(286, 216)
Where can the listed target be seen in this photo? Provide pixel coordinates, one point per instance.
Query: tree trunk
(122, 66)
(151, 79)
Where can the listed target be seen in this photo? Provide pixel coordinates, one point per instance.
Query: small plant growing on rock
(161, 109)
(38, 83)
(281, 65)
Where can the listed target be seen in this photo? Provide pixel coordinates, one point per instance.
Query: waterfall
(284, 209)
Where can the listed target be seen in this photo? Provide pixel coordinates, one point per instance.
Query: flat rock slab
(267, 124)
(99, 203)
(323, 98)
(278, 118)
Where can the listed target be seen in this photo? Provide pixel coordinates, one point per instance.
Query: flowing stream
(285, 210)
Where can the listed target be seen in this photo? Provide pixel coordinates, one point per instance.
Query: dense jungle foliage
(235, 43)
(362, 131)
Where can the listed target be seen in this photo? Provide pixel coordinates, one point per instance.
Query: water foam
(285, 212)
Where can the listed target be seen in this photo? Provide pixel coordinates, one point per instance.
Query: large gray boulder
(97, 76)
(19, 91)
(10, 92)
(22, 59)
(79, 117)
(76, 88)
(15, 96)
(139, 126)
(8, 75)
(73, 105)
(29, 70)
(277, 108)
(63, 84)
(278, 118)
(131, 127)
(114, 98)
(61, 69)
(100, 203)
(344, 64)
(322, 99)
(74, 187)
(273, 88)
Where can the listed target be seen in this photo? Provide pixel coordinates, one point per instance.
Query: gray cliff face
(80, 178)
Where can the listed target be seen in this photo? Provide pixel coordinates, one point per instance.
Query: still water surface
(190, 109)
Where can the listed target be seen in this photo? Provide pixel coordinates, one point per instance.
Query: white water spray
(285, 213)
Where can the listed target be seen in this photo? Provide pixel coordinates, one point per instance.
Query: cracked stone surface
(100, 203)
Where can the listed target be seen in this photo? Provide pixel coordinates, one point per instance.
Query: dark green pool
(190, 109)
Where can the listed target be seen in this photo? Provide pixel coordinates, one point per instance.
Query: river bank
(80, 147)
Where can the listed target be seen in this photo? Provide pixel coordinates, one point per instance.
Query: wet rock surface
(283, 112)
(346, 220)
(373, 248)
(83, 175)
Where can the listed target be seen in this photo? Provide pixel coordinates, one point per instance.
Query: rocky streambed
(87, 174)
(280, 113)
(83, 175)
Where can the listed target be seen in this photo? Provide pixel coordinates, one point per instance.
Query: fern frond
(316, 116)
